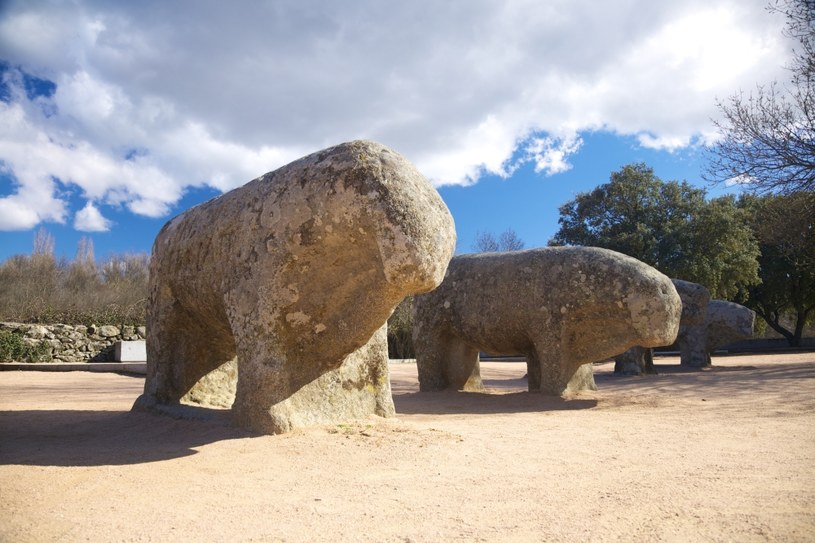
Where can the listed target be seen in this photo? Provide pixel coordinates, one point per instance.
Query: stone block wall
(76, 343)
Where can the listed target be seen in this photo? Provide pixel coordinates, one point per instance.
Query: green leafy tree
(720, 250)
(400, 330)
(785, 228)
(669, 225)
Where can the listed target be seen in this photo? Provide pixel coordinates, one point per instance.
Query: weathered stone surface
(725, 323)
(640, 360)
(37, 332)
(108, 331)
(295, 273)
(215, 389)
(561, 307)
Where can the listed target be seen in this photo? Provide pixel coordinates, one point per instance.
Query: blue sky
(115, 116)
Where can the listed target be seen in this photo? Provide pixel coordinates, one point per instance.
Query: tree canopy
(785, 228)
(669, 225)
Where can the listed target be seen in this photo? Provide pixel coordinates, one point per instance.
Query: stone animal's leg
(276, 394)
(463, 368)
(649, 362)
(630, 362)
(583, 379)
(550, 373)
(533, 371)
(445, 361)
(635, 361)
(181, 349)
(692, 342)
(430, 351)
(216, 388)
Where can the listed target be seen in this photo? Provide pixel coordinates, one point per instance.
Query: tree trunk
(776, 325)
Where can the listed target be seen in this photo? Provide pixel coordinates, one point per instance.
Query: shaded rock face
(724, 323)
(640, 360)
(295, 273)
(561, 307)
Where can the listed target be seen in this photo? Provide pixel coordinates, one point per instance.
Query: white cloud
(551, 154)
(89, 219)
(739, 180)
(666, 142)
(154, 97)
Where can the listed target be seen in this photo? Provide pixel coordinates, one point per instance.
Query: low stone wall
(75, 343)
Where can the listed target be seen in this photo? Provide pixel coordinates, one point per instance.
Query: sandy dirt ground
(720, 455)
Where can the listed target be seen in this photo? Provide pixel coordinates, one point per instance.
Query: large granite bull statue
(296, 273)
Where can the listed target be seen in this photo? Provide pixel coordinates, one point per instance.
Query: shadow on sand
(102, 438)
(450, 402)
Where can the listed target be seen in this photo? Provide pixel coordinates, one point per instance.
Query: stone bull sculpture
(724, 323)
(561, 307)
(295, 273)
(640, 360)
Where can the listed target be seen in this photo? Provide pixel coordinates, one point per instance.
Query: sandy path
(724, 455)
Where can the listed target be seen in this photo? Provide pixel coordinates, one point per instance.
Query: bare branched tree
(508, 240)
(43, 243)
(40, 288)
(768, 136)
(485, 242)
(84, 251)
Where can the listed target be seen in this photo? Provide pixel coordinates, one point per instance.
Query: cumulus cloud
(551, 154)
(154, 97)
(89, 219)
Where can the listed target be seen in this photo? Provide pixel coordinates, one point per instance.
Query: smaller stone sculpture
(725, 323)
(640, 360)
(561, 307)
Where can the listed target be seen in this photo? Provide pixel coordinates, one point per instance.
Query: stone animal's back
(560, 306)
(293, 272)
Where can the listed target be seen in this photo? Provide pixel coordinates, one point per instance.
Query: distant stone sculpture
(640, 360)
(725, 323)
(561, 307)
(295, 273)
